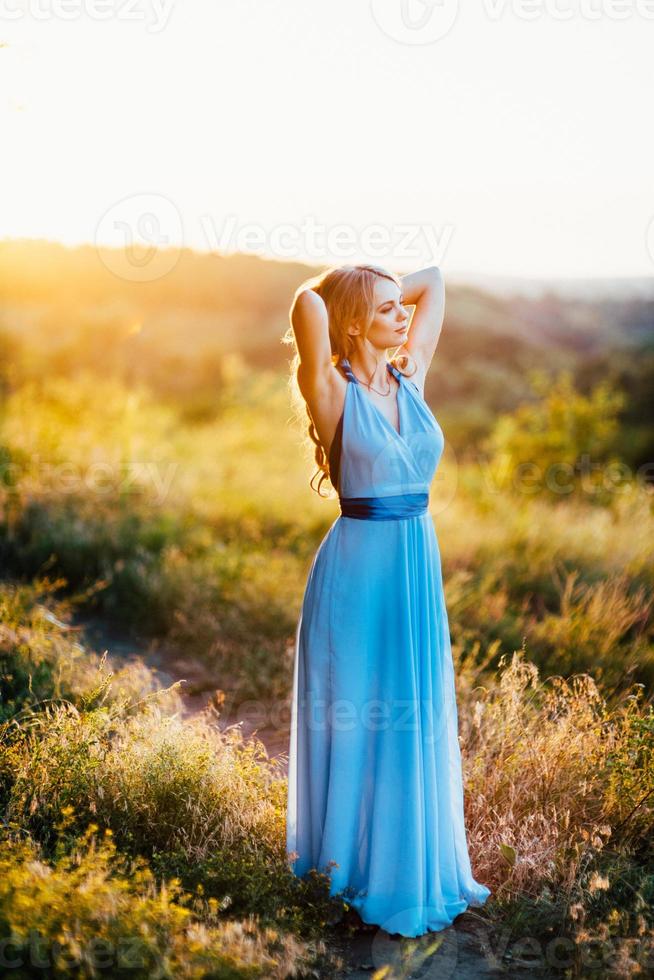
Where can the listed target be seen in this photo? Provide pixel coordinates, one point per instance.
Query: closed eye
(387, 307)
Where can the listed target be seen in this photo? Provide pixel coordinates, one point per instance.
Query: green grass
(106, 791)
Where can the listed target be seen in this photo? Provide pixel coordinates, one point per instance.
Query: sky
(489, 138)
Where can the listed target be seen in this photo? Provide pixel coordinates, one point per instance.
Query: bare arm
(310, 323)
(425, 290)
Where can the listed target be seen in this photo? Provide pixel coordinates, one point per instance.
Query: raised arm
(425, 290)
(310, 323)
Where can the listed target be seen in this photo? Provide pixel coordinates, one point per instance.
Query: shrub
(552, 445)
(91, 912)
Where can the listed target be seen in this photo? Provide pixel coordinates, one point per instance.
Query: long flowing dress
(375, 794)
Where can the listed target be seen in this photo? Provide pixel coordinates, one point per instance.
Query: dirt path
(199, 685)
(466, 951)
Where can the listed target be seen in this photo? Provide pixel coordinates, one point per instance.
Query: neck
(371, 368)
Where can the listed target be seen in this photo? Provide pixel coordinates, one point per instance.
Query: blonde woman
(375, 796)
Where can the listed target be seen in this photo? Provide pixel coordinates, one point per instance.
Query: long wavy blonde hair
(348, 292)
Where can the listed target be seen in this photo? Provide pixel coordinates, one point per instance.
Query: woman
(375, 793)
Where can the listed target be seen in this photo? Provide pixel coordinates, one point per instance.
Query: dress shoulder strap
(394, 371)
(345, 364)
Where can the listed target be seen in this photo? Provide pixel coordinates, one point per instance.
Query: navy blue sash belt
(400, 505)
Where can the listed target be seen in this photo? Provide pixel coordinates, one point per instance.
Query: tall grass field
(154, 477)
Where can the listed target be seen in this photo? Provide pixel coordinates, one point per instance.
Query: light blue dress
(374, 775)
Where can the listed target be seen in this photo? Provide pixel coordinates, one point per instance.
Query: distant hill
(588, 289)
(212, 317)
(240, 302)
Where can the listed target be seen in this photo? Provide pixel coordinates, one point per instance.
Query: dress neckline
(398, 376)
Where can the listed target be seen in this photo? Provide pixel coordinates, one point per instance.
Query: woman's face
(390, 319)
